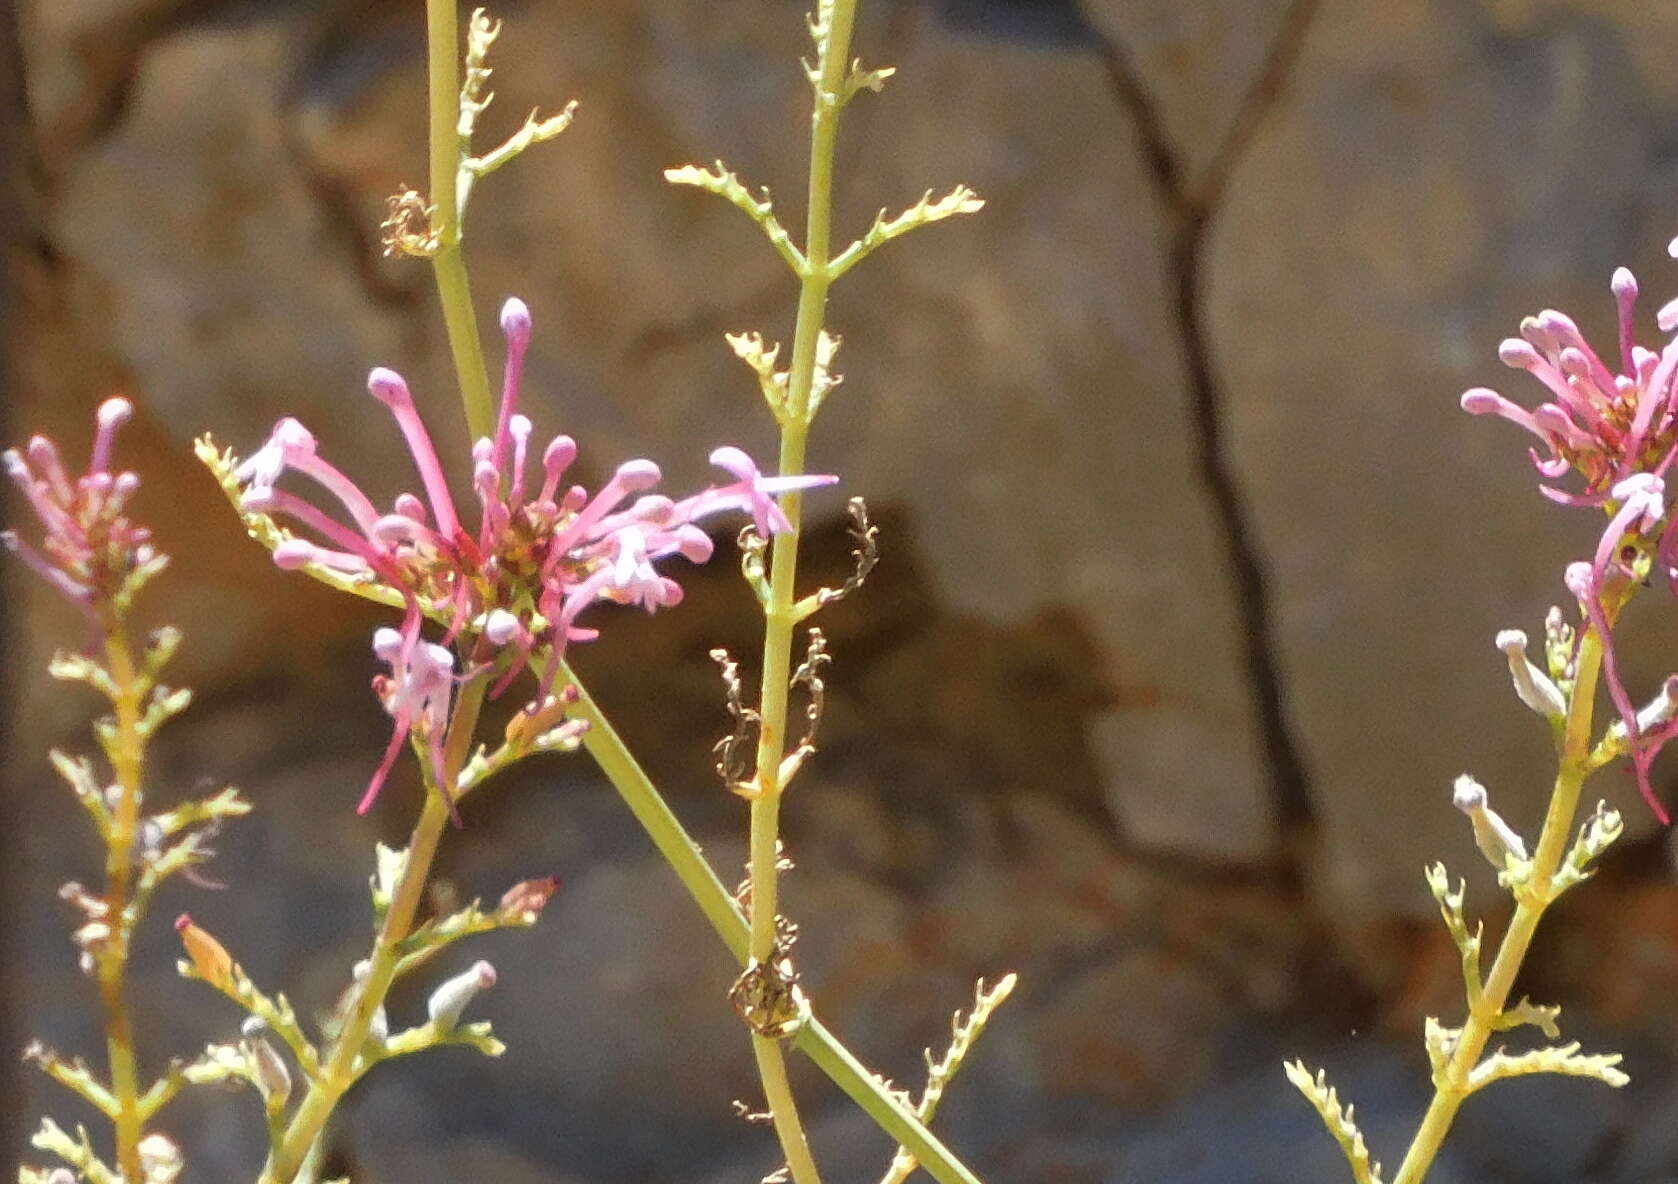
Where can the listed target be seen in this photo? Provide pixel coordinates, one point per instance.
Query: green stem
(688, 861)
(1451, 1085)
(779, 615)
(127, 761)
(448, 151)
(342, 1065)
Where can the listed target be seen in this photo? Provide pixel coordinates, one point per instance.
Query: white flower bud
(1532, 685)
(1662, 708)
(272, 1076)
(449, 1000)
(1496, 839)
(160, 1159)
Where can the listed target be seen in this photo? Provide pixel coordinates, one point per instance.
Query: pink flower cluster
(90, 549)
(540, 555)
(1606, 426)
(1619, 432)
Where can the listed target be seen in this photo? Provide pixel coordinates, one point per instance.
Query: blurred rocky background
(1192, 565)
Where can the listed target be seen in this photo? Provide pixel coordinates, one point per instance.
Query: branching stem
(449, 152)
(127, 758)
(342, 1064)
(779, 614)
(1453, 1085)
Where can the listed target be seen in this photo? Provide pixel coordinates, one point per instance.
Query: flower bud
(1532, 685)
(160, 1159)
(210, 961)
(1662, 709)
(272, 1076)
(524, 901)
(500, 627)
(273, 1079)
(515, 322)
(1496, 839)
(449, 1000)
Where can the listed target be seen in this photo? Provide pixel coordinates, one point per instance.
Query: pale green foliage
(750, 349)
(964, 1031)
(411, 225)
(1596, 835)
(439, 933)
(1340, 1121)
(1564, 1059)
(481, 32)
(275, 1011)
(476, 1035)
(73, 1075)
(960, 200)
(1467, 942)
(78, 772)
(218, 1064)
(1544, 1017)
(720, 181)
(77, 1152)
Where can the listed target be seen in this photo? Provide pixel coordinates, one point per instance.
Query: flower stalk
(450, 150)
(343, 1066)
(827, 80)
(127, 760)
(1454, 1080)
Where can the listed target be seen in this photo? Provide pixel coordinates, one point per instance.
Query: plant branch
(344, 1063)
(127, 757)
(1455, 1078)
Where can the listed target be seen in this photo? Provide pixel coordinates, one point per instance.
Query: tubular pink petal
(515, 327)
(1624, 286)
(631, 477)
(277, 501)
(112, 414)
(556, 458)
(790, 484)
(520, 428)
(694, 544)
(357, 504)
(390, 389)
(399, 733)
(32, 559)
(1653, 396)
(410, 506)
(43, 454)
(735, 461)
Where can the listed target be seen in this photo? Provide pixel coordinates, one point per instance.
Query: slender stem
(779, 615)
(1451, 1085)
(448, 150)
(342, 1066)
(127, 759)
(688, 861)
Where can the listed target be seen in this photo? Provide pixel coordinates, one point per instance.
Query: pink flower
(417, 693)
(90, 550)
(539, 558)
(1642, 506)
(1603, 424)
(1618, 430)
